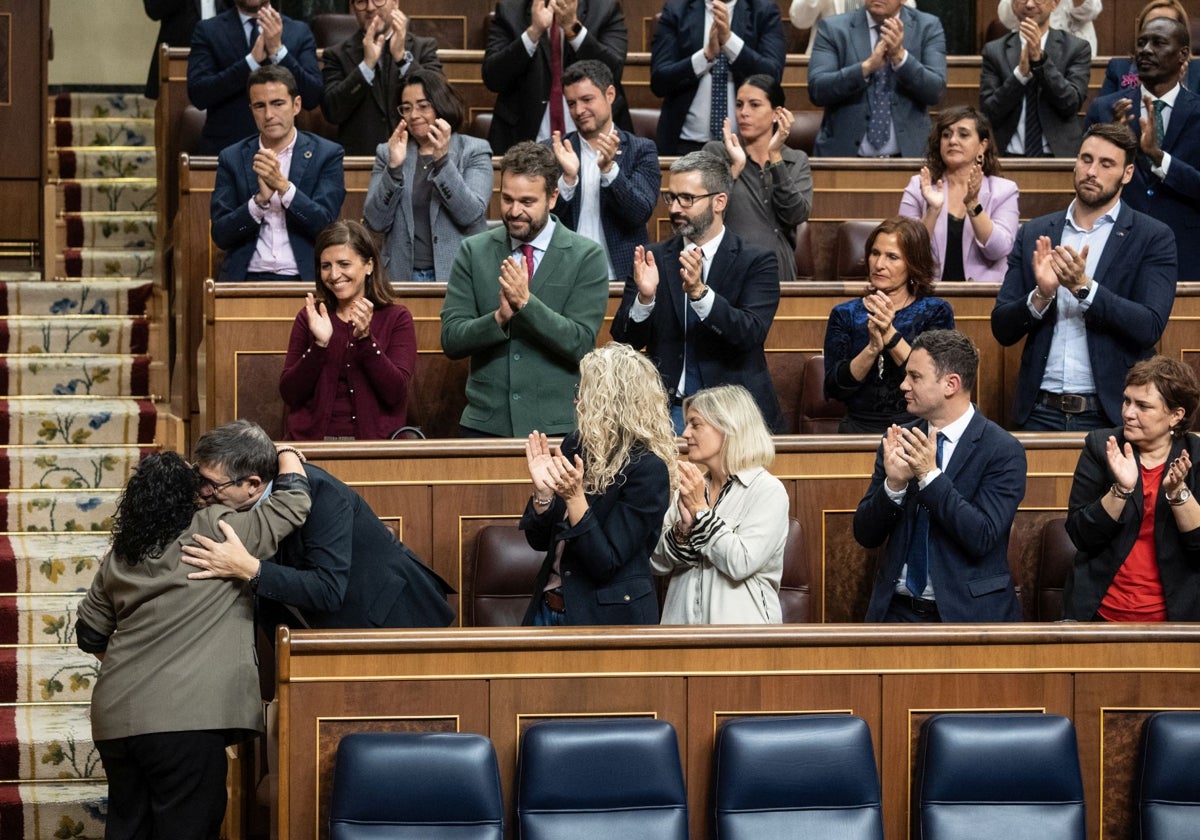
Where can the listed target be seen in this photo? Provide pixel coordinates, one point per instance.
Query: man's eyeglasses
(686, 200)
(362, 4)
(214, 487)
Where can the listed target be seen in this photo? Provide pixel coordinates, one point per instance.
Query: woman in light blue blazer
(969, 210)
(430, 186)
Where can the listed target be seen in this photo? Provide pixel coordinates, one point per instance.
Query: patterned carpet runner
(76, 415)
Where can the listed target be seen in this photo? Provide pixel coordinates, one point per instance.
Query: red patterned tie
(527, 252)
(556, 91)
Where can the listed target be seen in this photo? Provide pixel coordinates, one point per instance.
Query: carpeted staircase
(76, 416)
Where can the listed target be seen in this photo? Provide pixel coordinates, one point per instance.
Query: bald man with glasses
(701, 303)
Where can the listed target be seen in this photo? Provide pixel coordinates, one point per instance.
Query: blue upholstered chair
(1168, 782)
(805, 776)
(601, 779)
(998, 777)
(416, 786)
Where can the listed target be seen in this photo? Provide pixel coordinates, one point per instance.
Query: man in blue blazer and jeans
(275, 190)
(943, 497)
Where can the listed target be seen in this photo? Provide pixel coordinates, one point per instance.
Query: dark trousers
(901, 611)
(165, 786)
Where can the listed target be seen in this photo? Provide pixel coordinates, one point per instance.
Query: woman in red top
(353, 348)
(1133, 516)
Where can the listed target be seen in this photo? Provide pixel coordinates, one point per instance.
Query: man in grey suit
(876, 72)
(1032, 84)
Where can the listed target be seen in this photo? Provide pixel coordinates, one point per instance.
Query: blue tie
(918, 548)
(880, 98)
(720, 98)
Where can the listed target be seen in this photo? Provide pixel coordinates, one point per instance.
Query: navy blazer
(971, 509)
(1135, 290)
(1063, 77)
(836, 82)
(626, 204)
(320, 187)
(1121, 75)
(177, 20)
(605, 568)
(745, 281)
(1174, 200)
(680, 33)
(521, 82)
(345, 568)
(217, 74)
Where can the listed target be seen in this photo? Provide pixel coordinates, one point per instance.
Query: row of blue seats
(981, 776)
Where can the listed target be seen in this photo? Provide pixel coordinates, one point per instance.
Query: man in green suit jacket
(525, 304)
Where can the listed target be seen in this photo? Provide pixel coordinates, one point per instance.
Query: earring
(979, 158)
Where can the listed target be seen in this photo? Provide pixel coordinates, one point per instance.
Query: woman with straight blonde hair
(722, 541)
(598, 501)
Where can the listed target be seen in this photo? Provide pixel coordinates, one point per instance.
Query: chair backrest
(329, 30)
(189, 129)
(795, 589)
(998, 777)
(479, 125)
(603, 779)
(416, 786)
(806, 268)
(505, 570)
(818, 416)
(803, 135)
(778, 778)
(1056, 557)
(851, 248)
(1168, 785)
(645, 122)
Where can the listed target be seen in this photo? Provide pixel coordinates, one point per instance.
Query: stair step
(50, 563)
(97, 262)
(74, 334)
(10, 276)
(86, 296)
(107, 194)
(52, 420)
(75, 375)
(46, 673)
(31, 467)
(42, 811)
(39, 619)
(101, 162)
(101, 105)
(103, 131)
(58, 509)
(107, 230)
(48, 743)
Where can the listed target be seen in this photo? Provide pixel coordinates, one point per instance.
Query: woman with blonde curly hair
(722, 541)
(598, 502)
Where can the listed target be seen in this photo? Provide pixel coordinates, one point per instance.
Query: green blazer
(523, 377)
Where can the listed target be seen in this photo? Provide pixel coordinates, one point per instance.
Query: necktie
(918, 547)
(253, 32)
(720, 98)
(880, 96)
(1159, 106)
(1033, 122)
(527, 253)
(556, 92)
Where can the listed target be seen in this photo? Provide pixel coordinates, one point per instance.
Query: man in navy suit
(177, 21)
(1089, 290)
(943, 496)
(1166, 174)
(343, 568)
(702, 52)
(611, 178)
(276, 190)
(876, 72)
(701, 303)
(226, 49)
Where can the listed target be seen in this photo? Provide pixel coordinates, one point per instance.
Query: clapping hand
(1122, 464)
(934, 192)
(360, 311)
(538, 458)
(693, 493)
(566, 157)
(1177, 471)
(319, 323)
(566, 476)
(398, 145)
(733, 147)
(645, 275)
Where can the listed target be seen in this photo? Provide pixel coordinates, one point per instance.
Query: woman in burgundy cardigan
(353, 348)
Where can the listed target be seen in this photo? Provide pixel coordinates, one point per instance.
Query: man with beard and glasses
(227, 48)
(1164, 116)
(701, 303)
(1090, 291)
(525, 303)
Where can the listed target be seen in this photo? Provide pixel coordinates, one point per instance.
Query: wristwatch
(1181, 499)
(1083, 291)
(975, 211)
(703, 292)
(575, 27)
(700, 516)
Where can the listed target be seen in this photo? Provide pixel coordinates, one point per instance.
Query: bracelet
(891, 345)
(681, 536)
(254, 580)
(294, 451)
(1120, 492)
(541, 504)
(1037, 294)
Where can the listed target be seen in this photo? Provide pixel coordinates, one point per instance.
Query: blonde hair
(622, 403)
(732, 411)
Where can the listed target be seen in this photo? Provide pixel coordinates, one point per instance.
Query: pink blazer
(982, 261)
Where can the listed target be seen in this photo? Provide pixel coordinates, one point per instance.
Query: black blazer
(176, 21)
(366, 115)
(606, 577)
(522, 82)
(345, 568)
(1103, 544)
(971, 509)
(745, 280)
(217, 74)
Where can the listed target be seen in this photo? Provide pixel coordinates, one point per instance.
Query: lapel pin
(308, 154)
